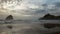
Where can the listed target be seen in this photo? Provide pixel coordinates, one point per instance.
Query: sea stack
(9, 19)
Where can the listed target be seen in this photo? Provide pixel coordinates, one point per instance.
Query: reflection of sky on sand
(17, 28)
(26, 28)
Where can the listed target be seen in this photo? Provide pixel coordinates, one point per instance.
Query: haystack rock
(9, 19)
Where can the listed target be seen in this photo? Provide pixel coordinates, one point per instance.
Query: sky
(28, 9)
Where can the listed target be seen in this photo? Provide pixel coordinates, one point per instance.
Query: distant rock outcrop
(9, 19)
(50, 17)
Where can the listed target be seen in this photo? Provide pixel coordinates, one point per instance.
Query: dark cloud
(44, 4)
(57, 4)
(40, 12)
(56, 8)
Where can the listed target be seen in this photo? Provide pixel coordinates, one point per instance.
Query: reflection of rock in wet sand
(25, 28)
(16, 28)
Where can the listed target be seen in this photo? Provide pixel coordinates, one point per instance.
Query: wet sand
(26, 28)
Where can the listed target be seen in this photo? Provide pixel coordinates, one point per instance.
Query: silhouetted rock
(9, 19)
(50, 17)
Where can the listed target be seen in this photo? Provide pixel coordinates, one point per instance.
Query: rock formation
(50, 17)
(9, 19)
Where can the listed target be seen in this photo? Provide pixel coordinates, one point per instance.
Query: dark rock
(50, 17)
(10, 17)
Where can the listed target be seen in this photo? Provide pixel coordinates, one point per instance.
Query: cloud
(29, 9)
(54, 8)
(57, 4)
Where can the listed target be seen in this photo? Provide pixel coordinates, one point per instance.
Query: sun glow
(10, 4)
